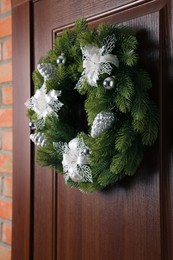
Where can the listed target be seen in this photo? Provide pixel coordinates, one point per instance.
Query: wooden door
(132, 220)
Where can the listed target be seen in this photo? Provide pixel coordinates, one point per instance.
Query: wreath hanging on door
(91, 114)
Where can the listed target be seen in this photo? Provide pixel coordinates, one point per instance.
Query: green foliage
(133, 157)
(47, 156)
(151, 126)
(102, 102)
(122, 103)
(37, 79)
(118, 151)
(107, 178)
(117, 164)
(125, 137)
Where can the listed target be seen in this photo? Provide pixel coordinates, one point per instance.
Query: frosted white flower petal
(44, 103)
(75, 160)
(97, 61)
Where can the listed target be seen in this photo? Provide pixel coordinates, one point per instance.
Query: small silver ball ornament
(85, 151)
(61, 59)
(109, 83)
(31, 125)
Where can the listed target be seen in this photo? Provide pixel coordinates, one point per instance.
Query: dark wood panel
(43, 210)
(70, 223)
(61, 14)
(22, 167)
(123, 223)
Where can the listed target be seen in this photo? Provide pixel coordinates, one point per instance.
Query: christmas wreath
(91, 116)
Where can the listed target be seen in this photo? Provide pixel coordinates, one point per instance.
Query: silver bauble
(85, 151)
(61, 59)
(32, 125)
(109, 83)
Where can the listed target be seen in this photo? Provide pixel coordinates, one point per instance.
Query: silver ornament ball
(61, 59)
(32, 126)
(85, 151)
(109, 83)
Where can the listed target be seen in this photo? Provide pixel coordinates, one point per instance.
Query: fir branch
(124, 84)
(125, 137)
(139, 107)
(151, 125)
(123, 104)
(118, 164)
(133, 157)
(142, 79)
(37, 79)
(47, 156)
(107, 178)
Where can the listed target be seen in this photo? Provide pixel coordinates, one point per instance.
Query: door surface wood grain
(134, 219)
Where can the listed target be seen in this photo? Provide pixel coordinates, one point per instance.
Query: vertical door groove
(166, 130)
(54, 214)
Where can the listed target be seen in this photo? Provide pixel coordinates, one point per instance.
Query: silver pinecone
(102, 122)
(38, 139)
(46, 70)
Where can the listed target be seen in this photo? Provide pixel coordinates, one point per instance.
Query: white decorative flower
(44, 104)
(75, 159)
(97, 61)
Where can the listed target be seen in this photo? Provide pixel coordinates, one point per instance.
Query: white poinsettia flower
(44, 103)
(75, 159)
(91, 63)
(97, 61)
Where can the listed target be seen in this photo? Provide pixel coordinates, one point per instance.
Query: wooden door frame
(22, 232)
(23, 178)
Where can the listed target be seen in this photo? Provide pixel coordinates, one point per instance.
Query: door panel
(43, 213)
(131, 220)
(123, 223)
